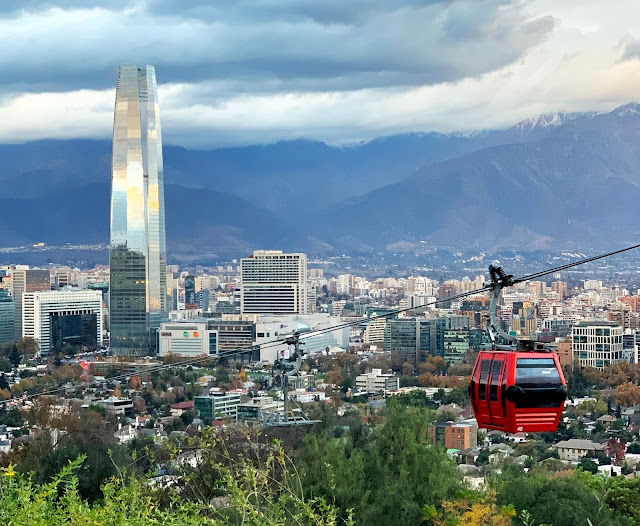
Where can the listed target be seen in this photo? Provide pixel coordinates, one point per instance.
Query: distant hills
(568, 181)
(578, 186)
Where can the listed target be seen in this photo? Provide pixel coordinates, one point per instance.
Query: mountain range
(555, 181)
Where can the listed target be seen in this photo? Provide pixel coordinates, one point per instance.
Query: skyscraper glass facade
(7, 317)
(138, 255)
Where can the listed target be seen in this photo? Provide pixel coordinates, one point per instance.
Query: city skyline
(138, 253)
(335, 283)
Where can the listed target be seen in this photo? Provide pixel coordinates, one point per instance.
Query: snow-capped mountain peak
(632, 108)
(547, 120)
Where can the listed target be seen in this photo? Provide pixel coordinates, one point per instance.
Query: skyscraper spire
(138, 254)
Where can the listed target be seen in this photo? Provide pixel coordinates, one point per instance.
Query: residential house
(575, 448)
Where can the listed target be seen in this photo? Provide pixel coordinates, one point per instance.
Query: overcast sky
(258, 71)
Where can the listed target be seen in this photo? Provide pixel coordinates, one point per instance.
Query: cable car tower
(288, 367)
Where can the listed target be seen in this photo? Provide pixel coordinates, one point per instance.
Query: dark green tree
(11, 418)
(389, 477)
(15, 356)
(187, 418)
(623, 496)
(589, 465)
(555, 500)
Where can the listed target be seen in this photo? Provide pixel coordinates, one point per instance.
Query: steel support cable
(574, 264)
(232, 352)
(280, 341)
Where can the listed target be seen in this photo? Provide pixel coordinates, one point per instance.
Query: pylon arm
(499, 280)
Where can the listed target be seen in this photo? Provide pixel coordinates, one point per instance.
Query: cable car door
(480, 390)
(496, 388)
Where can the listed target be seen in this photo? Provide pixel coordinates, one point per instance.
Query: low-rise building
(575, 449)
(376, 382)
(221, 406)
(302, 381)
(188, 339)
(254, 410)
(455, 435)
(305, 397)
(182, 407)
(606, 420)
(117, 406)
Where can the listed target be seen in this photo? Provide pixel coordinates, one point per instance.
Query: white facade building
(38, 309)
(188, 339)
(306, 397)
(374, 332)
(597, 343)
(269, 328)
(417, 299)
(274, 283)
(376, 382)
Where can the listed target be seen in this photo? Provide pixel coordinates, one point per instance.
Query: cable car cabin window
(495, 378)
(485, 367)
(537, 372)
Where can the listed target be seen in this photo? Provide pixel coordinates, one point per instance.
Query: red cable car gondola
(516, 389)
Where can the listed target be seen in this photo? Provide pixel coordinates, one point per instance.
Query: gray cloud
(316, 45)
(257, 71)
(30, 6)
(631, 50)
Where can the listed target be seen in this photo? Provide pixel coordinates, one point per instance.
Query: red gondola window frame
(495, 379)
(484, 375)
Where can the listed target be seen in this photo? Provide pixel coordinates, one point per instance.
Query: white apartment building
(374, 331)
(306, 397)
(597, 343)
(376, 382)
(26, 280)
(188, 339)
(40, 308)
(274, 283)
(420, 300)
(337, 307)
(593, 284)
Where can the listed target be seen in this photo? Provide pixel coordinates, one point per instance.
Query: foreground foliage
(250, 495)
(356, 467)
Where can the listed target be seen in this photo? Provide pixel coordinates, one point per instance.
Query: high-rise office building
(137, 255)
(55, 318)
(597, 344)
(7, 317)
(523, 318)
(273, 283)
(26, 280)
(190, 290)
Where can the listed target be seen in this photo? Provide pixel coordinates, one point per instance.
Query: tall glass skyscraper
(138, 254)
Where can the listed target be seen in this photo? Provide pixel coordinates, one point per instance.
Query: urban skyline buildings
(273, 283)
(57, 317)
(137, 252)
(23, 281)
(7, 317)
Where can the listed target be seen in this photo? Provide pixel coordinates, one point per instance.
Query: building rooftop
(187, 404)
(577, 443)
(599, 323)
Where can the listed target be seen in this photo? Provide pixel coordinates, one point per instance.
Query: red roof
(187, 404)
